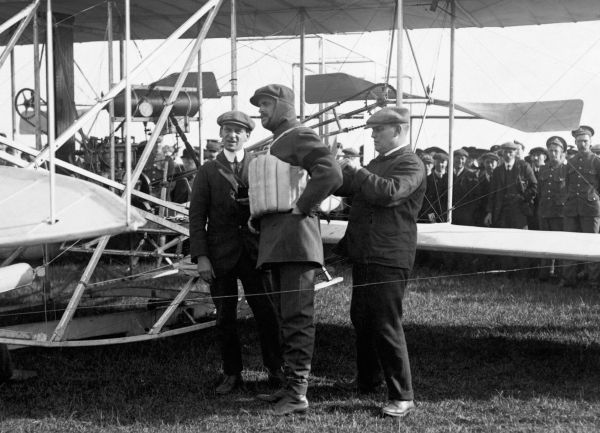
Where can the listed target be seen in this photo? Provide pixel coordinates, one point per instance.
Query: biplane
(90, 169)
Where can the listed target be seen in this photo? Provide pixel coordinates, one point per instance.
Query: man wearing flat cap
(464, 190)
(435, 202)
(489, 162)
(290, 243)
(552, 193)
(428, 162)
(225, 250)
(512, 191)
(380, 242)
(211, 150)
(582, 207)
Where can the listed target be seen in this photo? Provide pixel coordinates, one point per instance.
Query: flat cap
(427, 158)
(461, 152)
(583, 129)
(509, 145)
(350, 152)
(237, 118)
(213, 145)
(388, 116)
(555, 139)
(539, 151)
(440, 156)
(490, 155)
(519, 144)
(279, 92)
(189, 155)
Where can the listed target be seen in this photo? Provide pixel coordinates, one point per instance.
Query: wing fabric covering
(483, 240)
(83, 209)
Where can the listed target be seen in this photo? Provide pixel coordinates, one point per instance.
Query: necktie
(236, 166)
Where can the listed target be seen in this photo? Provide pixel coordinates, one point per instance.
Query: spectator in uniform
(552, 193)
(290, 243)
(582, 208)
(224, 249)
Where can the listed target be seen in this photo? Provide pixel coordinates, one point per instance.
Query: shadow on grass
(173, 380)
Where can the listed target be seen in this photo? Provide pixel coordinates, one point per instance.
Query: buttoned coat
(219, 213)
(525, 184)
(552, 190)
(387, 196)
(583, 180)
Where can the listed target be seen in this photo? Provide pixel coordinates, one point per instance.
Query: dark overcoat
(525, 186)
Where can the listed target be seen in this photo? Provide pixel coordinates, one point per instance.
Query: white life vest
(275, 185)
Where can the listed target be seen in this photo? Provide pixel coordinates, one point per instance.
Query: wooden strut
(173, 306)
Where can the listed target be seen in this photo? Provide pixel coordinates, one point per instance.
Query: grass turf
(488, 354)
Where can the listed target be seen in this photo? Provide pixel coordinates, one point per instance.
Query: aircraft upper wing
(156, 19)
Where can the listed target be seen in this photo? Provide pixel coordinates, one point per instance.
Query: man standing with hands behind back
(380, 241)
(225, 250)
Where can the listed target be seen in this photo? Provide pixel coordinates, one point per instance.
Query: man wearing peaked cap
(224, 249)
(583, 130)
(290, 243)
(582, 207)
(559, 141)
(380, 241)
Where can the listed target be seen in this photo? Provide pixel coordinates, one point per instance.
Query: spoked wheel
(25, 103)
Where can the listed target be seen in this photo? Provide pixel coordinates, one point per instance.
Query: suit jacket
(464, 198)
(387, 196)
(525, 186)
(219, 213)
(436, 198)
(285, 237)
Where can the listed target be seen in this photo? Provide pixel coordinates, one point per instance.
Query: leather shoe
(273, 397)
(398, 408)
(353, 386)
(290, 404)
(229, 383)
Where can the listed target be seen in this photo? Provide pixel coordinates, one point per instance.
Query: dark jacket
(436, 199)
(220, 198)
(464, 198)
(297, 238)
(483, 191)
(583, 182)
(525, 188)
(387, 196)
(552, 190)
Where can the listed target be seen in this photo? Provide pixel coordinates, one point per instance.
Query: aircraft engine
(148, 103)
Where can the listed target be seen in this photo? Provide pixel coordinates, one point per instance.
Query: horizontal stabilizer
(324, 88)
(539, 116)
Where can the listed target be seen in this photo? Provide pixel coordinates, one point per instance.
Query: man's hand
(351, 163)
(251, 226)
(205, 269)
(488, 219)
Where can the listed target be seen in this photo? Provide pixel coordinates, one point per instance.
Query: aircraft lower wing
(83, 209)
(482, 240)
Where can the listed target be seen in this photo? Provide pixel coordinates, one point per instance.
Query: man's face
(490, 164)
(385, 137)
(429, 167)
(233, 136)
(519, 152)
(555, 152)
(266, 109)
(583, 143)
(210, 154)
(440, 165)
(509, 155)
(538, 159)
(459, 162)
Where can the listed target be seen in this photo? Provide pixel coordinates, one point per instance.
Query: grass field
(488, 354)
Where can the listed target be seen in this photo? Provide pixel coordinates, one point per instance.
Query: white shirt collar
(395, 149)
(232, 155)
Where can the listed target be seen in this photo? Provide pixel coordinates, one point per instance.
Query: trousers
(224, 291)
(376, 314)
